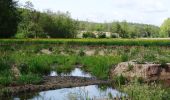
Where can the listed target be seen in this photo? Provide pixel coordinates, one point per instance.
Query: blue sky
(140, 11)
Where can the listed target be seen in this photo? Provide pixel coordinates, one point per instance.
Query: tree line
(122, 29)
(26, 22)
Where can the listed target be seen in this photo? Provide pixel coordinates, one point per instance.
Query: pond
(76, 93)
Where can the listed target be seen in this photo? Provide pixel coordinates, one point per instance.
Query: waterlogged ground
(35, 61)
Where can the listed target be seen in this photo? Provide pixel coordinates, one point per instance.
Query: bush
(89, 35)
(114, 35)
(101, 35)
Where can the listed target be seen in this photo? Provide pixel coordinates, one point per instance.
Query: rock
(147, 71)
(46, 51)
(15, 71)
(89, 52)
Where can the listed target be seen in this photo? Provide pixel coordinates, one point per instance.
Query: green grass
(29, 79)
(99, 65)
(146, 92)
(5, 80)
(118, 42)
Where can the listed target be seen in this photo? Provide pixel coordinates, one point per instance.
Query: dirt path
(51, 83)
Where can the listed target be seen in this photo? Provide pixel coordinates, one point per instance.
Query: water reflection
(77, 93)
(75, 72)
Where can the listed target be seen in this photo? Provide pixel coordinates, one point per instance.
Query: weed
(130, 67)
(29, 79)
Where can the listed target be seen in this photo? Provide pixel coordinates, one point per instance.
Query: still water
(76, 93)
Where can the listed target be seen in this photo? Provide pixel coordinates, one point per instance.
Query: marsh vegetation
(37, 60)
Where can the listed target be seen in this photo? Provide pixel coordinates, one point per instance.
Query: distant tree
(165, 28)
(124, 30)
(64, 26)
(99, 27)
(9, 18)
(118, 28)
(29, 5)
(30, 24)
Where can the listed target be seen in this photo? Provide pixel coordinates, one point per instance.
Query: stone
(15, 71)
(147, 71)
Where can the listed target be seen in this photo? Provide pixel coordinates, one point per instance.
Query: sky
(137, 11)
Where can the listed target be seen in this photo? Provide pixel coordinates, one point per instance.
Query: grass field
(118, 42)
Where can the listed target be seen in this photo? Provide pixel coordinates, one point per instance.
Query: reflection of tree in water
(25, 96)
(80, 94)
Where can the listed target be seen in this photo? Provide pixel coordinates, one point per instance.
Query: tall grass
(146, 92)
(99, 65)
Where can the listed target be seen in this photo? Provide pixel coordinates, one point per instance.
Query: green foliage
(146, 92)
(81, 53)
(101, 35)
(125, 57)
(118, 42)
(5, 81)
(89, 35)
(40, 64)
(130, 67)
(124, 29)
(5, 62)
(120, 80)
(165, 29)
(99, 65)
(65, 63)
(35, 24)
(9, 18)
(64, 26)
(29, 79)
(114, 35)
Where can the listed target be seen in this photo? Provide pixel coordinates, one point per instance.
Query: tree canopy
(9, 18)
(165, 28)
(37, 24)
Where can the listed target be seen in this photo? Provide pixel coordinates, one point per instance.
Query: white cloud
(142, 11)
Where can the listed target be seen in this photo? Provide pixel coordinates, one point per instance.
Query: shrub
(101, 35)
(114, 35)
(89, 35)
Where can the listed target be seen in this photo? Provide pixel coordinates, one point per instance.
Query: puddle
(91, 92)
(75, 72)
(77, 93)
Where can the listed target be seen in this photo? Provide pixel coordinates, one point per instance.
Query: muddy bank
(51, 83)
(147, 71)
